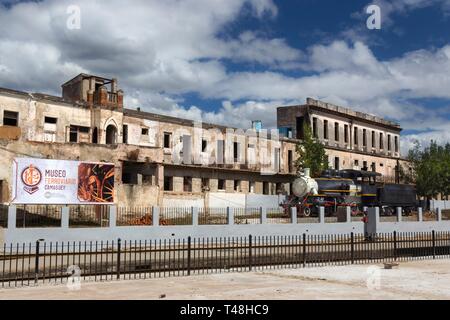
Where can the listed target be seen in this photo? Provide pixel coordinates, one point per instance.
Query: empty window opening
(10, 118)
(111, 134)
(125, 133)
(221, 184)
(168, 183)
(187, 184)
(336, 131)
(167, 138)
(325, 129)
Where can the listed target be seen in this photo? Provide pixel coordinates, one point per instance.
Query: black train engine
(350, 188)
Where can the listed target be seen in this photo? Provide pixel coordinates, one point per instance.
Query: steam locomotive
(349, 188)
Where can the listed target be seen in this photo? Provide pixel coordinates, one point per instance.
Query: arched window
(111, 134)
(95, 135)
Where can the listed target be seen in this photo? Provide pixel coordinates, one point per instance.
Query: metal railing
(213, 216)
(247, 215)
(35, 263)
(136, 216)
(38, 216)
(84, 216)
(175, 216)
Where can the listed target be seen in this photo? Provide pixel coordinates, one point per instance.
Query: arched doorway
(95, 135)
(111, 134)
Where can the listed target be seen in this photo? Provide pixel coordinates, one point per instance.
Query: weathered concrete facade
(163, 160)
(353, 140)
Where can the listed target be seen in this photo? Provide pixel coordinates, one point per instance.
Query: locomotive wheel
(307, 212)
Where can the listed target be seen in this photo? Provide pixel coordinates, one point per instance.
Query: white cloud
(160, 50)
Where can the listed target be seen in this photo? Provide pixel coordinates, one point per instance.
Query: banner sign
(43, 181)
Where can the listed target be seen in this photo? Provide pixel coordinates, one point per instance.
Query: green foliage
(431, 169)
(311, 154)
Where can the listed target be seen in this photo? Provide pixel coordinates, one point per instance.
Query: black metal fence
(34, 263)
(136, 216)
(38, 216)
(212, 216)
(87, 216)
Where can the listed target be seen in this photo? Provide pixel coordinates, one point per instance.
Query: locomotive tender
(349, 188)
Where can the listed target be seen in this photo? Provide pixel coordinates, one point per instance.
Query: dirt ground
(410, 280)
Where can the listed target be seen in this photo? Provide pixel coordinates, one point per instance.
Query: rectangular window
(205, 184)
(290, 161)
(374, 167)
(237, 185)
(125, 133)
(336, 131)
(167, 138)
(373, 139)
(168, 183)
(396, 144)
(300, 128)
(204, 145)
(325, 129)
(355, 138)
(381, 141)
(236, 151)
(51, 120)
(266, 187)
(364, 168)
(389, 142)
(221, 184)
(251, 187)
(315, 132)
(73, 135)
(356, 163)
(10, 118)
(187, 184)
(364, 138)
(346, 133)
(336, 163)
(144, 131)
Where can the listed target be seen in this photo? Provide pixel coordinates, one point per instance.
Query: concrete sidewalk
(411, 280)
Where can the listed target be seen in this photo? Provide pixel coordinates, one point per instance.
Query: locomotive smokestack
(307, 172)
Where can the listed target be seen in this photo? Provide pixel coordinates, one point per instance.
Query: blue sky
(230, 62)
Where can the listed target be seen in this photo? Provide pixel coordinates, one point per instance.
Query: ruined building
(167, 161)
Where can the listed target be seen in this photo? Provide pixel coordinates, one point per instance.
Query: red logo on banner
(31, 177)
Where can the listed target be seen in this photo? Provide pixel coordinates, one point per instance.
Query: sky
(234, 61)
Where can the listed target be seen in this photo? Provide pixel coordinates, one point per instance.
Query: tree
(431, 169)
(311, 154)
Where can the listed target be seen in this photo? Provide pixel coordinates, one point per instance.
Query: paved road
(411, 280)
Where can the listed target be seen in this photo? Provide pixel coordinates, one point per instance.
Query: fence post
(439, 214)
(250, 252)
(395, 245)
(155, 216)
(112, 216)
(420, 214)
(263, 215)
(348, 214)
(304, 250)
(36, 263)
(119, 243)
(194, 212)
(230, 216)
(399, 214)
(433, 234)
(352, 249)
(12, 216)
(321, 215)
(65, 212)
(294, 215)
(189, 256)
(373, 221)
